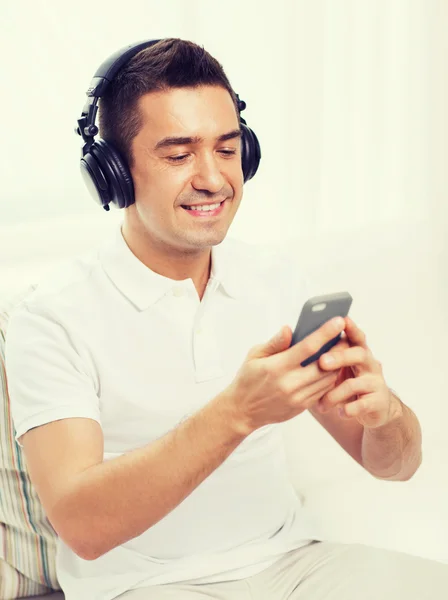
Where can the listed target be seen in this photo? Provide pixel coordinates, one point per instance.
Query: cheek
(235, 179)
(153, 185)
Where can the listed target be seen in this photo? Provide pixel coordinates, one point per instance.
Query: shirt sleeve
(47, 378)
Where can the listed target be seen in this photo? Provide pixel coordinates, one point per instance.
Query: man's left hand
(363, 393)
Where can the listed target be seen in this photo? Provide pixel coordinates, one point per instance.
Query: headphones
(103, 169)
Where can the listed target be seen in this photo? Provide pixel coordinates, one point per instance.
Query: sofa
(27, 555)
(390, 282)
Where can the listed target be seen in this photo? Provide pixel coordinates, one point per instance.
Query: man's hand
(360, 391)
(271, 386)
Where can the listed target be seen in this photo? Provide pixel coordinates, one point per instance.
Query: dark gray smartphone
(315, 312)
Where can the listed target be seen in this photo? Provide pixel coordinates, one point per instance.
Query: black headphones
(104, 170)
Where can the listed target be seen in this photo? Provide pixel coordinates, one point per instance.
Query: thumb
(279, 342)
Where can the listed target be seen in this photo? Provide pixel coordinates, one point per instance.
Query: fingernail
(328, 359)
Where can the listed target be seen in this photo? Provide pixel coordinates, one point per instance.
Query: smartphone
(315, 312)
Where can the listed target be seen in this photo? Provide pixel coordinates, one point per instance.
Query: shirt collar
(143, 287)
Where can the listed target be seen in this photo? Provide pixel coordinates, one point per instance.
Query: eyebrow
(179, 141)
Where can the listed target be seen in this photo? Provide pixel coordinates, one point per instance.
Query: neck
(177, 264)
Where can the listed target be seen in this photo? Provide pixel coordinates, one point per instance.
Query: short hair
(170, 63)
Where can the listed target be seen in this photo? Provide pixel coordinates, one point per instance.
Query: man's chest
(159, 366)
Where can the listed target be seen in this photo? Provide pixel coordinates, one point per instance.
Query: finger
(356, 356)
(341, 345)
(354, 334)
(309, 346)
(359, 407)
(348, 391)
(343, 374)
(301, 377)
(314, 397)
(307, 395)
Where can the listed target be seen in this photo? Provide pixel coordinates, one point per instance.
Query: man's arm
(392, 452)
(95, 506)
(380, 432)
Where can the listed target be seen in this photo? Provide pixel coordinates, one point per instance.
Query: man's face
(168, 174)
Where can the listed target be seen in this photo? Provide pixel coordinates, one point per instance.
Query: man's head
(175, 89)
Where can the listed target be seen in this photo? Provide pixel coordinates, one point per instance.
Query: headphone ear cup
(250, 152)
(94, 179)
(107, 176)
(116, 173)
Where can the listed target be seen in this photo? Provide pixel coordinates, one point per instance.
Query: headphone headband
(104, 75)
(110, 67)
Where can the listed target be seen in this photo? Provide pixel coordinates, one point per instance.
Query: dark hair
(170, 63)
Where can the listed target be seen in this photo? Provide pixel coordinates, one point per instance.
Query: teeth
(205, 208)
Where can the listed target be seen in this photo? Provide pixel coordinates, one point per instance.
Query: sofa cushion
(27, 540)
(53, 596)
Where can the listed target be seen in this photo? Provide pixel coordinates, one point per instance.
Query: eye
(228, 152)
(177, 158)
(181, 157)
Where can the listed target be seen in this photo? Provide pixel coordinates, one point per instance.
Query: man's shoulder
(65, 282)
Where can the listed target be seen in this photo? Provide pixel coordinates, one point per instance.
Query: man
(146, 403)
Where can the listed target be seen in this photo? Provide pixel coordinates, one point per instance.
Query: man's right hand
(272, 387)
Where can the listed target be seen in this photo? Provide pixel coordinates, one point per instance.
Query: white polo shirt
(108, 339)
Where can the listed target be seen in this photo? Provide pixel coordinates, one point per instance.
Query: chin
(206, 241)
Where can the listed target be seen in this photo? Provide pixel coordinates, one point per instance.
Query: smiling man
(147, 384)
(188, 187)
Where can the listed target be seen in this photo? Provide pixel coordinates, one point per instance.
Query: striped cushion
(27, 540)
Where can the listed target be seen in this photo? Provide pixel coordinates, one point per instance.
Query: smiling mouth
(204, 210)
(202, 207)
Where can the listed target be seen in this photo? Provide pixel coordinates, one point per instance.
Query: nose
(208, 174)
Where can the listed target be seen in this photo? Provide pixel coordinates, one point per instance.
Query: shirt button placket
(205, 350)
